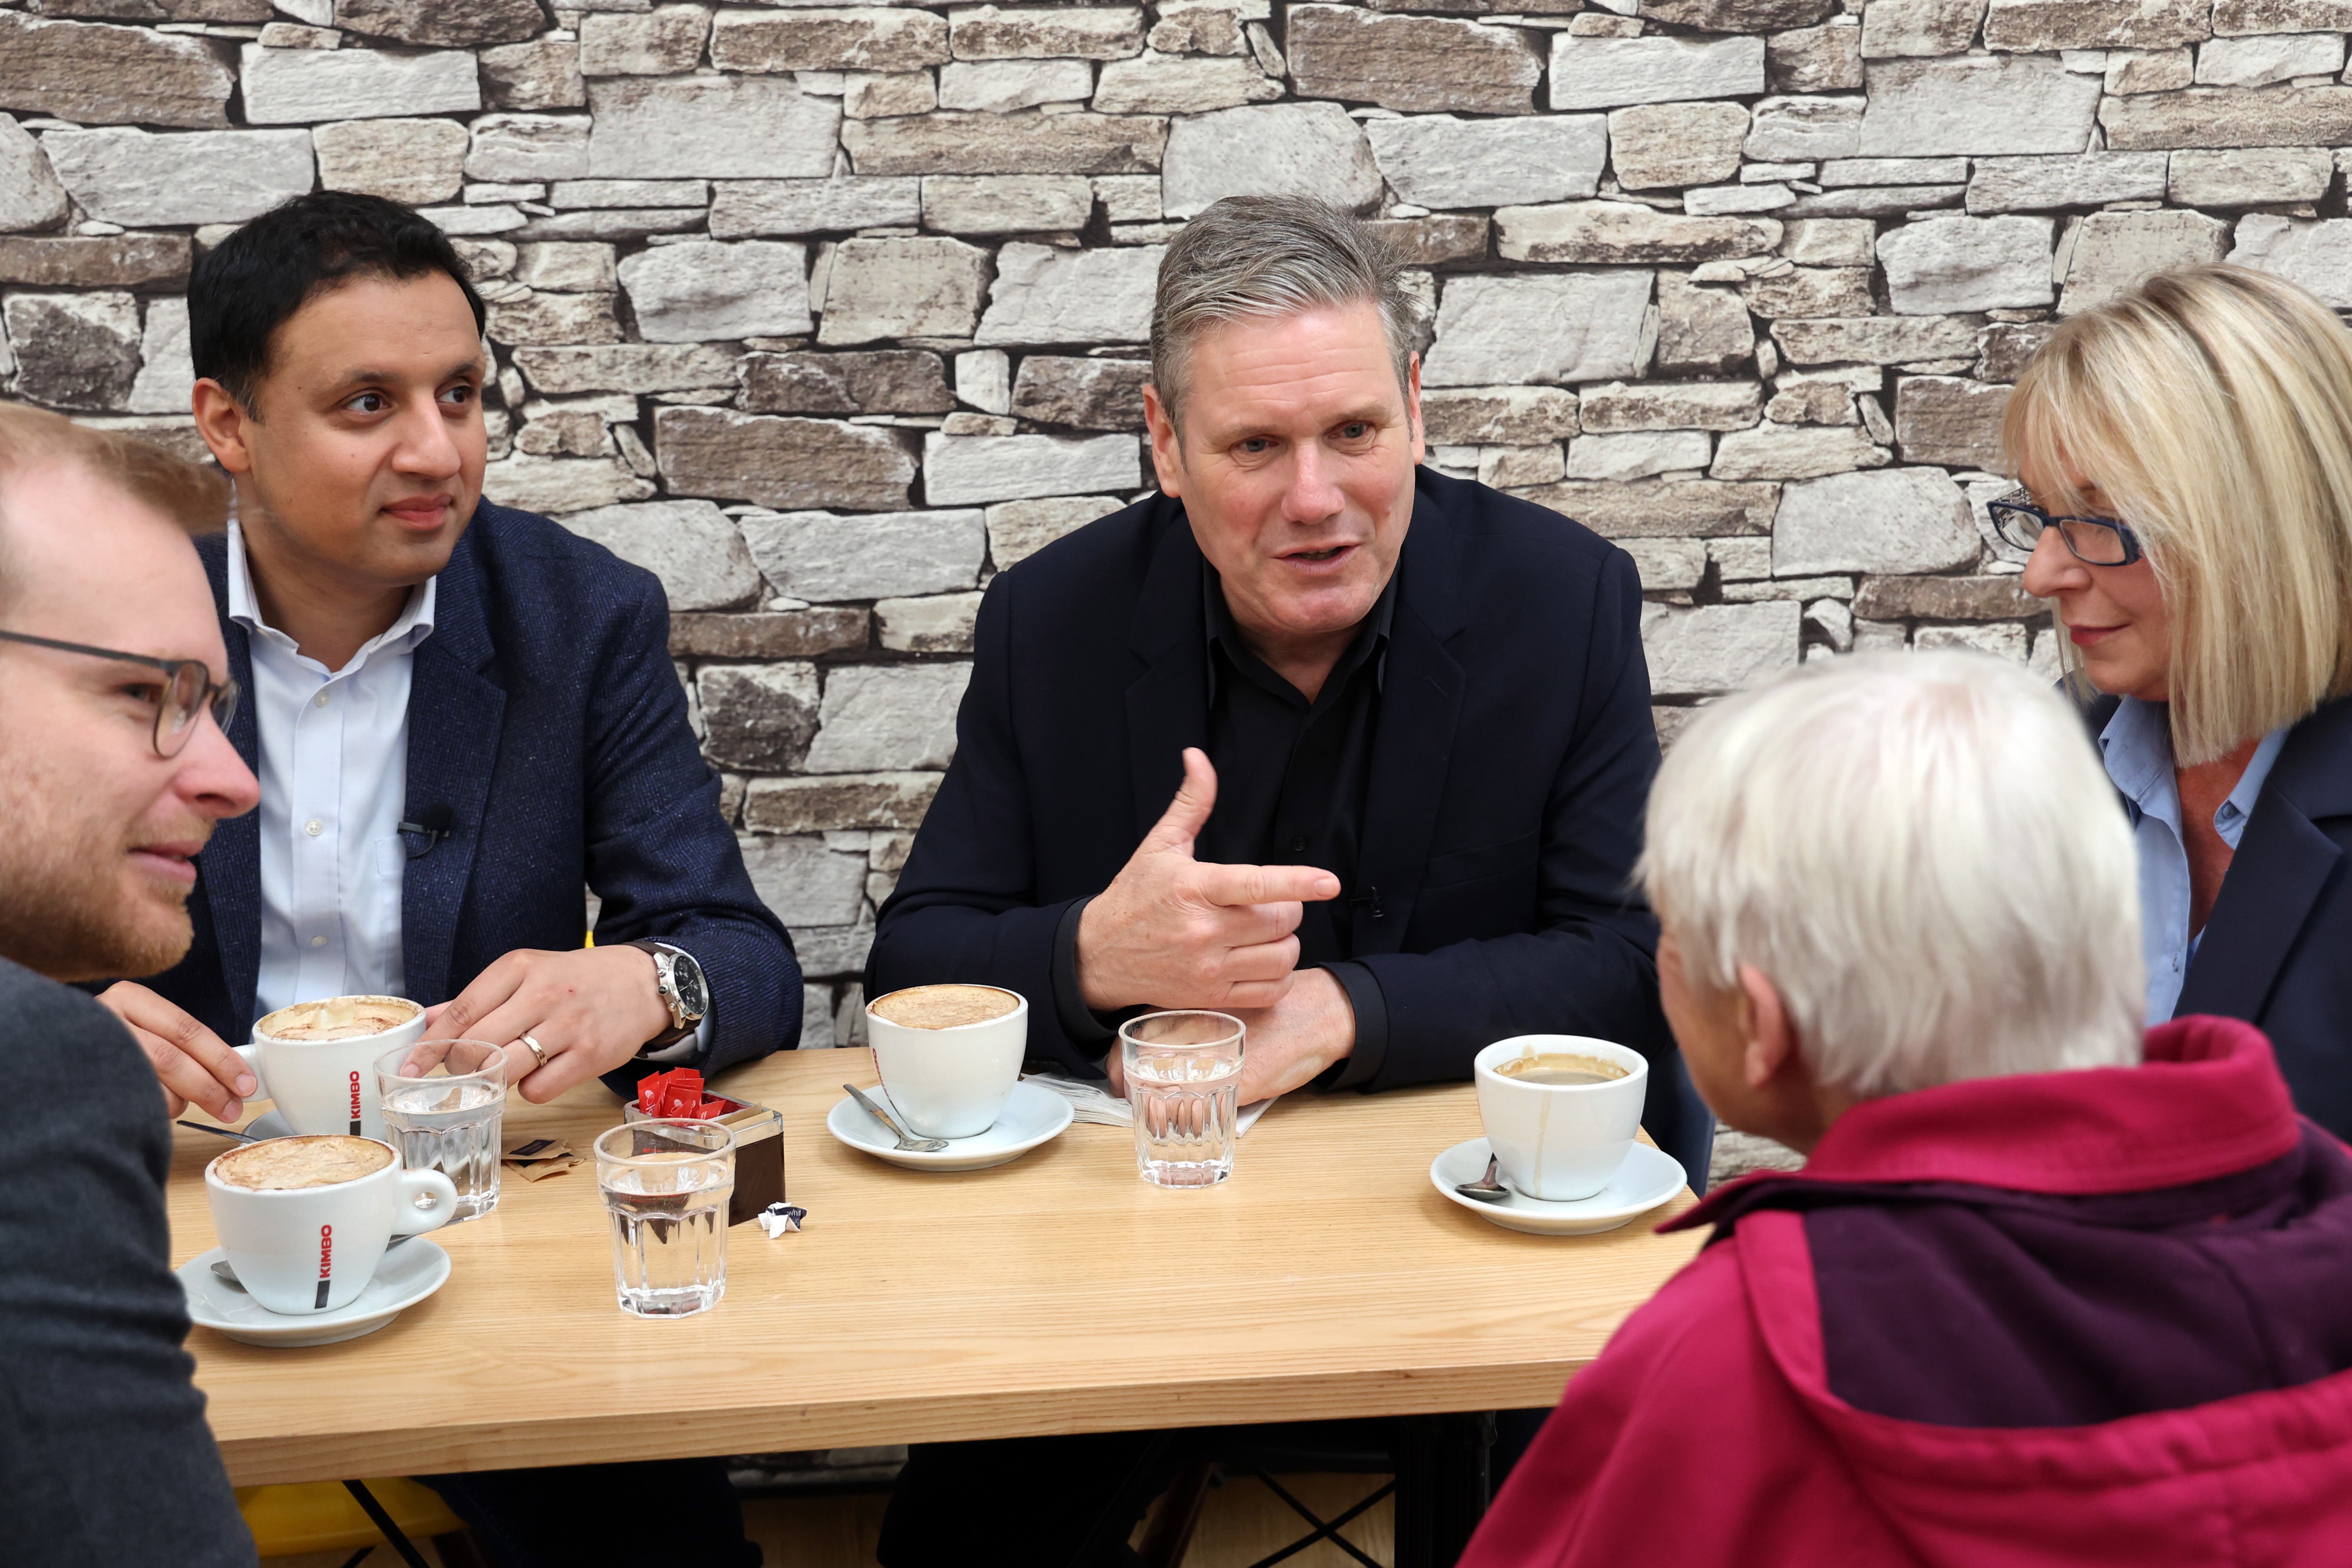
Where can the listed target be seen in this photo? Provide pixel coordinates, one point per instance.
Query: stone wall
(826, 313)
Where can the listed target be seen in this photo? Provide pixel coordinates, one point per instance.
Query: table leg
(1442, 1484)
(382, 1522)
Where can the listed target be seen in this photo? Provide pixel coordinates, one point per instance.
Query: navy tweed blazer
(545, 714)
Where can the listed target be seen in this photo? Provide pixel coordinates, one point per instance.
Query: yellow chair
(323, 1516)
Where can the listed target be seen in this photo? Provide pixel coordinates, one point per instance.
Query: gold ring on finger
(538, 1051)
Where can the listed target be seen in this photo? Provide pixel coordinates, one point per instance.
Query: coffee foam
(337, 1018)
(944, 1006)
(1526, 1068)
(279, 1165)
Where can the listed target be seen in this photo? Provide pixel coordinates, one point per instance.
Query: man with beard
(113, 768)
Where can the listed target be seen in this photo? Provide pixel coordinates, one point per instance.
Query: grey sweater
(105, 1459)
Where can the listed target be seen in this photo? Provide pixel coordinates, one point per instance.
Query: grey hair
(1257, 256)
(1923, 854)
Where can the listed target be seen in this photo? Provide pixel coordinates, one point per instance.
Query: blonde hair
(195, 498)
(2212, 405)
(1924, 855)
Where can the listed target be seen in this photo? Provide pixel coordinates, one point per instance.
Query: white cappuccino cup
(312, 1249)
(948, 1078)
(324, 1086)
(1560, 1110)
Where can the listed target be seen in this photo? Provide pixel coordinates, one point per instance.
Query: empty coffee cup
(306, 1220)
(1560, 1110)
(317, 1060)
(948, 1055)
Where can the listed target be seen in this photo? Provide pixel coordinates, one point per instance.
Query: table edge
(535, 1441)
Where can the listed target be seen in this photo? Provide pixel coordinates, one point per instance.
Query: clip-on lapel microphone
(433, 827)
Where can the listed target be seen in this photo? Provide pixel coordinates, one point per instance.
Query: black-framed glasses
(2095, 541)
(188, 690)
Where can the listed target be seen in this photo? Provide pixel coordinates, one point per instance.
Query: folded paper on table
(540, 1158)
(1096, 1102)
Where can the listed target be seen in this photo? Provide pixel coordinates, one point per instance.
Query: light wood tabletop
(1059, 1293)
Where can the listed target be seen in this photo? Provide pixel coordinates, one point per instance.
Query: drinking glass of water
(1184, 1081)
(444, 1105)
(665, 1182)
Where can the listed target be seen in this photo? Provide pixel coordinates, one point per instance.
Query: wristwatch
(679, 980)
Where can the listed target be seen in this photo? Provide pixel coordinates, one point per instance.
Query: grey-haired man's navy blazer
(545, 715)
(1508, 776)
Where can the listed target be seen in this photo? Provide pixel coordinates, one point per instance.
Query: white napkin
(1096, 1102)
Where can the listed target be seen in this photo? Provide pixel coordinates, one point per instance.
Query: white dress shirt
(334, 780)
(334, 786)
(2136, 746)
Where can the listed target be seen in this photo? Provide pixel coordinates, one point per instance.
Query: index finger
(187, 1079)
(208, 1051)
(1267, 884)
(182, 1031)
(492, 989)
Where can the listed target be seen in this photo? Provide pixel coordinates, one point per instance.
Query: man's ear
(1167, 446)
(1769, 1045)
(1412, 410)
(221, 420)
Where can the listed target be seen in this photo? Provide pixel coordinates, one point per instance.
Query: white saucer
(269, 1124)
(1032, 1114)
(1647, 1178)
(407, 1275)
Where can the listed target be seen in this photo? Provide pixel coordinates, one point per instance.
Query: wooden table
(1059, 1293)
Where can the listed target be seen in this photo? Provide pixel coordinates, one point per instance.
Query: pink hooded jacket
(1721, 1425)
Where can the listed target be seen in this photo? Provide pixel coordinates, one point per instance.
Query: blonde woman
(2185, 452)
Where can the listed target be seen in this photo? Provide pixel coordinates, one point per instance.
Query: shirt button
(317, 941)
(1298, 844)
(314, 827)
(321, 700)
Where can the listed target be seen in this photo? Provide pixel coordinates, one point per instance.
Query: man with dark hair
(1405, 724)
(113, 770)
(461, 714)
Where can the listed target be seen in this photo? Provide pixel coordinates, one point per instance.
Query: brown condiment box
(759, 1155)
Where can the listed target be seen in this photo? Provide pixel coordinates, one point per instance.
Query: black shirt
(1291, 773)
(1291, 779)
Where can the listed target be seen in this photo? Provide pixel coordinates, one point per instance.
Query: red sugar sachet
(679, 1094)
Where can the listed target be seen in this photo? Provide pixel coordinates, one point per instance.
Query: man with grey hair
(1405, 722)
(2045, 1291)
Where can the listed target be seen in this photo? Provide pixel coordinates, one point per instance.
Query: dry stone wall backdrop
(826, 313)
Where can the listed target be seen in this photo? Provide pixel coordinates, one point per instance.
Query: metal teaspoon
(914, 1145)
(1485, 1189)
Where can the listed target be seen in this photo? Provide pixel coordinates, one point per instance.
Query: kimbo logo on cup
(326, 1265)
(355, 1105)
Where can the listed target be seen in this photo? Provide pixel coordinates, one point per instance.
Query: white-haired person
(2045, 1292)
(2186, 455)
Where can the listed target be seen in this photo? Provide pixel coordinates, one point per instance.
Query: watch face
(693, 997)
